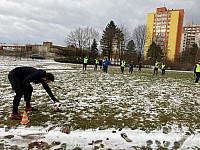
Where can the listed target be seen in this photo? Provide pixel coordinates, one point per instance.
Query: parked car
(37, 56)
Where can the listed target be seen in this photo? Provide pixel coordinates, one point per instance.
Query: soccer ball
(57, 107)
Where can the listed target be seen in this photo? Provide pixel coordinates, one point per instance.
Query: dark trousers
(163, 71)
(131, 70)
(122, 69)
(84, 66)
(95, 67)
(155, 72)
(16, 84)
(100, 66)
(197, 77)
(140, 68)
(105, 69)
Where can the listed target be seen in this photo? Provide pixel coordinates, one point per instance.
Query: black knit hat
(49, 76)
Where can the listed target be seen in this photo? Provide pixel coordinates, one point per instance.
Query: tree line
(117, 43)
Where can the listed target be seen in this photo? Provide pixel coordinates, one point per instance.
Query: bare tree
(127, 35)
(139, 35)
(82, 37)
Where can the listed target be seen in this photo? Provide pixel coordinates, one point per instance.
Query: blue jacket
(106, 63)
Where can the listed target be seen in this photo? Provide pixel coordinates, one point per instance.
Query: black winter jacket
(26, 75)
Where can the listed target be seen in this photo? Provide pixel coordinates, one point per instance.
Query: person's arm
(195, 68)
(48, 90)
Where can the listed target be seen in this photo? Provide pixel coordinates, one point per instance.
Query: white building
(190, 35)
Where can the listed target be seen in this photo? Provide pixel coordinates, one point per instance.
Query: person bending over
(20, 79)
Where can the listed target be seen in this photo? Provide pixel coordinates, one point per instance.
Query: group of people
(196, 70)
(156, 67)
(131, 65)
(105, 63)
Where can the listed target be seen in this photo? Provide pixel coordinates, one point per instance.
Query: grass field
(96, 100)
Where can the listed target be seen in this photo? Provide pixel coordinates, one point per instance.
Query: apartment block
(190, 36)
(164, 27)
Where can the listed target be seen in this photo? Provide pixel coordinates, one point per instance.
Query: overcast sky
(35, 21)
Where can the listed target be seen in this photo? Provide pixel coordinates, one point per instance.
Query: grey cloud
(35, 21)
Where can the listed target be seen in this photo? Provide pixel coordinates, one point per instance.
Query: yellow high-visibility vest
(163, 66)
(85, 60)
(197, 68)
(123, 64)
(96, 61)
(156, 65)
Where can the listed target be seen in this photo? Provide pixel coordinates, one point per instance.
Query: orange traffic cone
(24, 118)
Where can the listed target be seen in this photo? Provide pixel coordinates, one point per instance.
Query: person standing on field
(163, 68)
(156, 66)
(131, 67)
(106, 62)
(123, 64)
(197, 72)
(85, 61)
(95, 64)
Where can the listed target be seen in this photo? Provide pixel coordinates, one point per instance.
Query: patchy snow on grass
(154, 112)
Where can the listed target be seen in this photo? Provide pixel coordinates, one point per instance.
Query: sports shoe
(15, 116)
(30, 109)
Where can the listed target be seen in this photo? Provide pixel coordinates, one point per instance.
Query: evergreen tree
(184, 58)
(94, 50)
(111, 37)
(190, 54)
(155, 52)
(130, 48)
(130, 53)
(193, 52)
